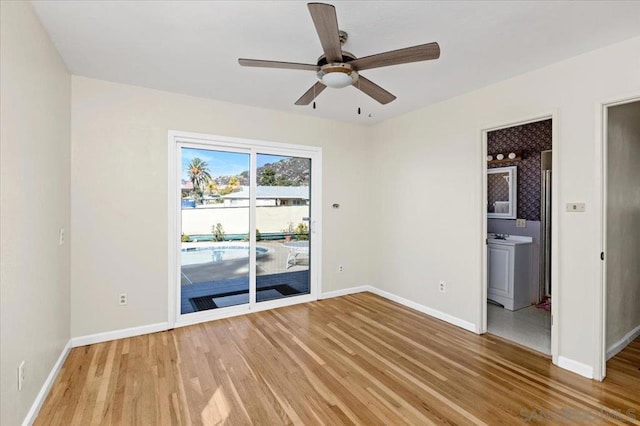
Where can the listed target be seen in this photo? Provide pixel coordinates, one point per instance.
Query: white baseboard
(345, 291)
(576, 367)
(618, 346)
(46, 387)
(426, 310)
(118, 334)
(153, 328)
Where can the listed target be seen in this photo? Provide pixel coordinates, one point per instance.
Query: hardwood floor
(357, 359)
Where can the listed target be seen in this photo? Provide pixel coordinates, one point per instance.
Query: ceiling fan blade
(326, 22)
(311, 94)
(423, 52)
(376, 92)
(277, 64)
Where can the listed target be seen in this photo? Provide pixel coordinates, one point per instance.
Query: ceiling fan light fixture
(337, 76)
(337, 80)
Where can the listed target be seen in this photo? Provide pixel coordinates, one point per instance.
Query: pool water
(196, 255)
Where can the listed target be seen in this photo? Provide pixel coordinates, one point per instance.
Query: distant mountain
(224, 180)
(286, 172)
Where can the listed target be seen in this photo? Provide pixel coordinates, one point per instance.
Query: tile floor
(530, 327)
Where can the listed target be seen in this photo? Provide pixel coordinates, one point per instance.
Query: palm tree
(198, 174)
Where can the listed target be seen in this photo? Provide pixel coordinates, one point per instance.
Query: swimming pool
(218, 253)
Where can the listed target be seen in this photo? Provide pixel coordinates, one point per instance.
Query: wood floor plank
(358, 359)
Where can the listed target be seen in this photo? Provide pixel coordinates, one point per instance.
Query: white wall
(35, 141)
(431, 159)
(235, 220)
(623, 221)
(119, 171)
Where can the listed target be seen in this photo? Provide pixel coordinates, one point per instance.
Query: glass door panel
(214, 269)
(283, 221)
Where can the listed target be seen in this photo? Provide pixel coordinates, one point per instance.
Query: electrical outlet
(340, 268)
(521, 223)
(20, 375)
(122, 299)
(442, 286)
(61, 236)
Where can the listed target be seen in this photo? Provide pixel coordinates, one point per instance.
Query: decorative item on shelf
(499, 157)
(489, 157)
(512, 155)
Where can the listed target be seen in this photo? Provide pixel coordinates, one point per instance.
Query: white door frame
(555, 208)
(178, 139)
(601, 143)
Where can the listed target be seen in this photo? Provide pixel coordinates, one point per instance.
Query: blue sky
(265, 158)
(223, 163)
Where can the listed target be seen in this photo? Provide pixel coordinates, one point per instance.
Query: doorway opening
(246, 226)
(518, 296)
(621, 227)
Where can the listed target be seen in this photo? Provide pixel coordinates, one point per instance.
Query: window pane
(215, 229)
(282, 221)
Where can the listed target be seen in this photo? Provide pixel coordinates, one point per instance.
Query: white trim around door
(178, 140)
(482, 298)
(601, 143)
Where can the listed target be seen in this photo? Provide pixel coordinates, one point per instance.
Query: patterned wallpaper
(529, 139)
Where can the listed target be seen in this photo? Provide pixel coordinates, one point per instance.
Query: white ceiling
(192, 47)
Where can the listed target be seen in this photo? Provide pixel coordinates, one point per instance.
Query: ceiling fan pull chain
(358, 89)
(314, 96)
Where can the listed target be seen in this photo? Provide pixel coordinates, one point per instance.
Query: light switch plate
(576, 207)
(521, 223)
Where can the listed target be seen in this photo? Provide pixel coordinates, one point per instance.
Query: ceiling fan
(338, 68)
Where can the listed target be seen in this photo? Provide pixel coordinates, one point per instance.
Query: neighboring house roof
(272, 192)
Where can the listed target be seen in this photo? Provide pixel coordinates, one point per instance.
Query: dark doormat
(204, 303)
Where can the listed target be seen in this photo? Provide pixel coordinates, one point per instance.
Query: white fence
(235, 220)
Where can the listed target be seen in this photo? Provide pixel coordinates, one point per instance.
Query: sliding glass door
(246, 228)
(283, 219)
(214, 250)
